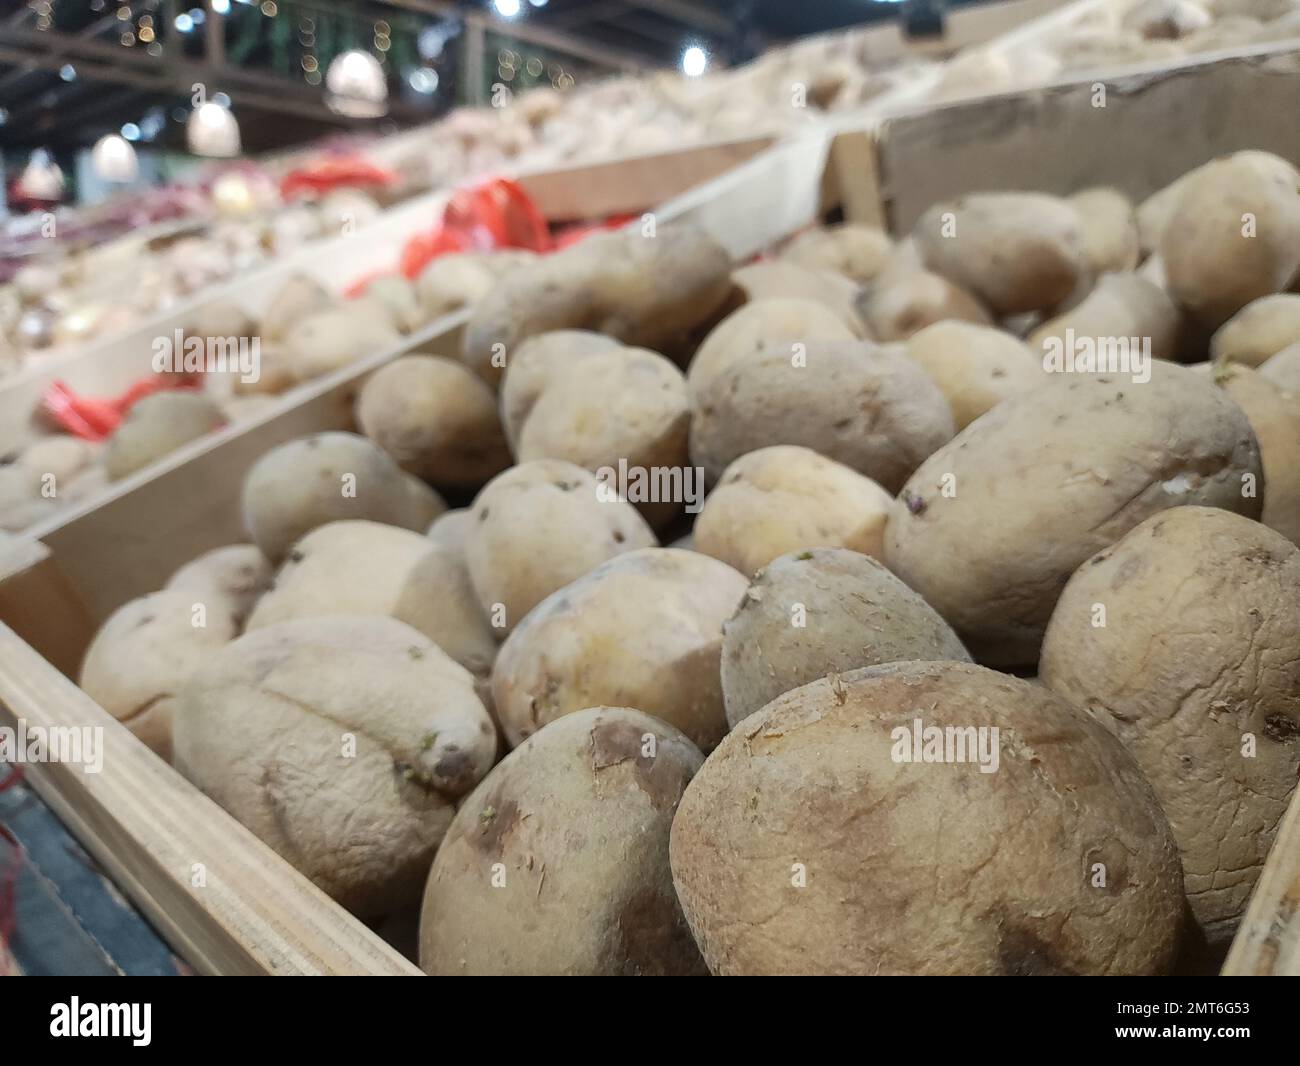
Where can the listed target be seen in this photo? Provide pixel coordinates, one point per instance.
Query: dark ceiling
(72, 70)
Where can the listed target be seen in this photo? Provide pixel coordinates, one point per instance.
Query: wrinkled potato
(597, 904)
(990, 527)
(1195, 670)
(779, 280)
(295, 300)
(1283, 369)
(818, 612)
(1013, 251)
(1259, 330)
(436, 419)
(816, 840)
(462, 279)
(621, 405)
(156, 426)
(1109, 231)
(539, 526)
(343, 743)
(644, 628)
(785, 498)
(1120, 306)
(330, 340)
(868, 407)
(532, 368)
(328, 477)
(858, 252)
(237, 576)
(364, 568)
(648, 292)
(975, 367)
(903, 302)
(758, 326)
(1234, 235)
(1275, 418)
(142, 656)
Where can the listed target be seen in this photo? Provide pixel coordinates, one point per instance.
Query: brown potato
(1109, 231)
(975, 367)
(156, 426)
(1120, 307)
(532, 368)
(780, 280)
(902, 303)
(815, 840)
(858, 252)
(1259, 330)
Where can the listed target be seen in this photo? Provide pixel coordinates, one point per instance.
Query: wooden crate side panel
(1268, 942)
(223, 900)
(1155, 126)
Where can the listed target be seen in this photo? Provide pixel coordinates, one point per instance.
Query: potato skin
(1047, 479)
(812, 780)
(868, 407)
(301, 484)
(975, 367)
(1197, 651)
(297, 298)
(1259, 330)
(330, 340)
(852, 613)
(599, 902)
(780, 499)
(1119, 306)
(539, 526)
(156, 426)
(644, 628)
(1013, 251)
(778, 279)
(901, 303)
(537, 362)
(1214, 268)
(238, 574)
(858, 252)
(364, 568)
(1109, 230)
(1283, 369)
(145, 652)
(759, 326)
(264, 728)
(436, 419)
(648, 292)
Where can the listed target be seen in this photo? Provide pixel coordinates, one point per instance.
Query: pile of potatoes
(924, 650)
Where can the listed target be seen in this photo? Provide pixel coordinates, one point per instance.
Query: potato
(156, 426)
(1154, 213)
(142, 656)
(57, 459)
(1109, 230)
(1195, 670)
(644, 629)
(1283, 369)
(990, 527)
(1119, 307)
(343, 743)
(784, 498)
(870, 408)
(398, 298)
(1234, 235)
(330, 340)
(537, 362)
(539, 526)
(774, 280)
(598, 902)
(762, 325)
(451, 529)
(1259, 330)
(903, 864)
(222, 319)
(648, 292)
(618, 406)
(436, 419)
(818, 612)
(858, 252)
(327, 477)
(462, 279)
(365, 568)
(902, 303)
(295, 300)
(1275, 419)
(1014, 251)
(236, 576)
(975, 367)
